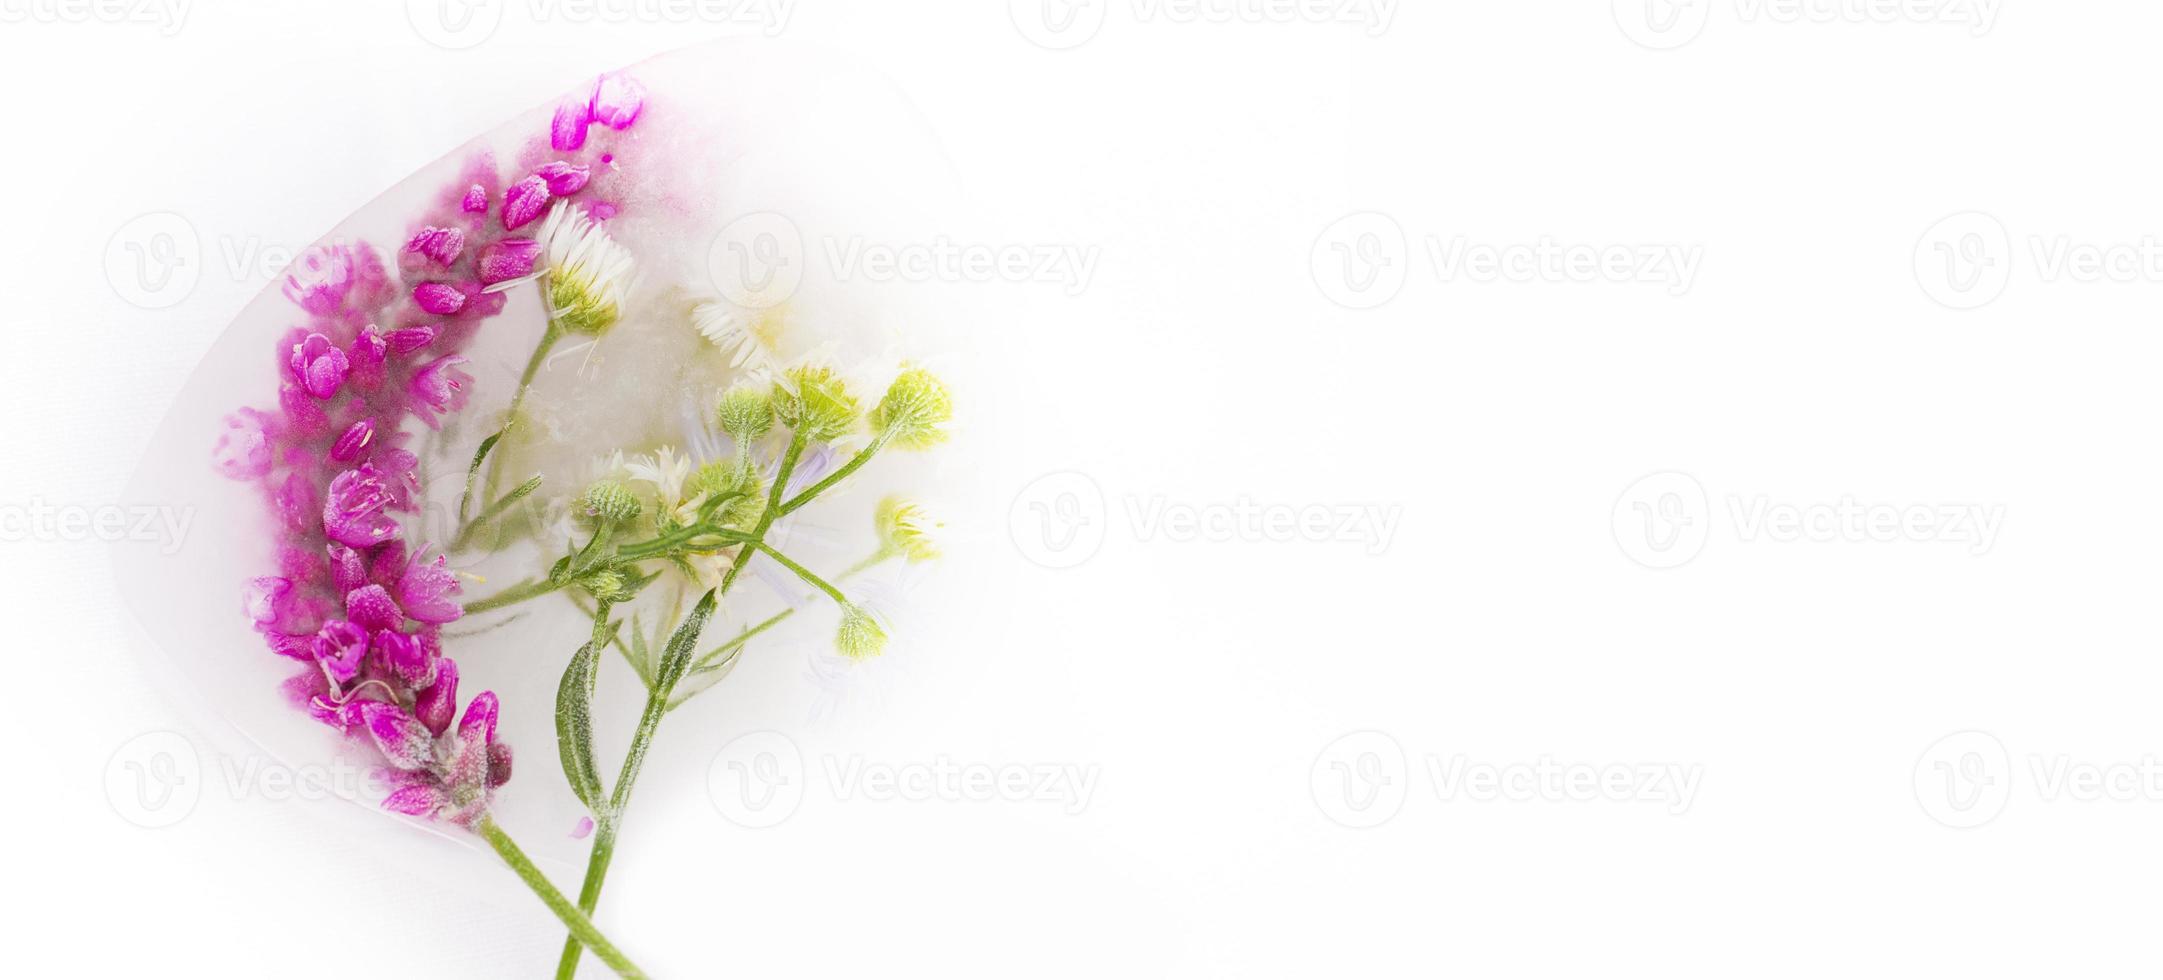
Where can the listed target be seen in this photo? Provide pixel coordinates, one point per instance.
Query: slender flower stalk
(583, 931)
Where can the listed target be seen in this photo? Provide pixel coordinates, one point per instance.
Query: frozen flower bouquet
(633, 491)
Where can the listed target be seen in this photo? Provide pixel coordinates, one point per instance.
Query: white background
(1836, 343)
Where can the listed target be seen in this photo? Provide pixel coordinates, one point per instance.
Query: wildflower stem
(803, 573)
(855, 463)
(583, 931)
(773, 507)
(549, 337)
(514, 595)
(604, 834)
(494, 511)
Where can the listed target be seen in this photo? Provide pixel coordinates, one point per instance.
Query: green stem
(772, 511)
(803, 573)
(855, 463)
(514, 595)
(494, 511)
(583, 931)
(549, 336)
(604, 834)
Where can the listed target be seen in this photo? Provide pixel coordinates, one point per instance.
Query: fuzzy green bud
(725, 477)
(608, 585)
(860, 637)
(816, 402)
(610, 501)
(746, 413)
(914, 409)
(902, 530)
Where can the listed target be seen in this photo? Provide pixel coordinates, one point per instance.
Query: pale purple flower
(404, 740)
(442, 245)
(617, 99)
(426, 590)
(505, 260)
(265, 597)
(243, 450)
(524, 201)
(567, 130)
(320, 278)
(318, 365)
(369, 353)
(439, 387)
(439, 298)
(563, 179)
(353, 510)
(348, 569)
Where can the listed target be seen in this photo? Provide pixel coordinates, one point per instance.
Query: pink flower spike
(439, 388)
(243, 450)
(524, 201)
(355, 439)
(318, 365)
(426, 589)
(404, 740)
(617, 99)
(505, 260)
(567, 131)
(475, 201)
(409, 339)
(440, 244)
(417, 800)
(353, 510)
(440, 298)
(563, 179)
(480, 718)
(435, 705)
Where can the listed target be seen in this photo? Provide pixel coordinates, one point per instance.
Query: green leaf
(574, 728)
(676, 657)
(473, 473)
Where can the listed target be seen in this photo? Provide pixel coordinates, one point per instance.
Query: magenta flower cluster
(352, 597)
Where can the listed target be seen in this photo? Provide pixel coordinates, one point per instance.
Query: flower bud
(816, 402)
(901, 530)
(860, 637)
(914, 409)
(746, 413)
(611, 501)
